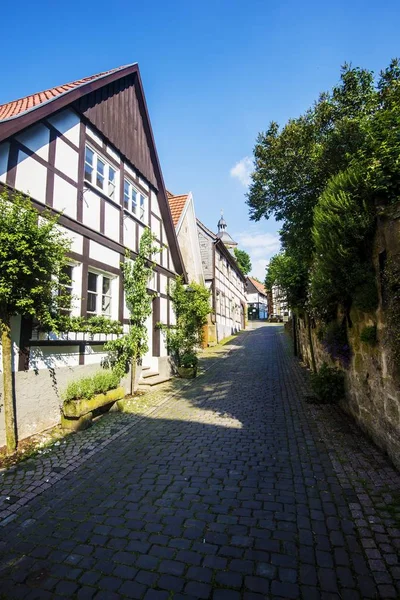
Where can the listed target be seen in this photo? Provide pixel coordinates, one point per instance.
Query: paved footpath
(233, 489)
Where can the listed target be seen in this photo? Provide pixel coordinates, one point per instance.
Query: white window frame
(135, 202)
(99, 293)
(109, 174)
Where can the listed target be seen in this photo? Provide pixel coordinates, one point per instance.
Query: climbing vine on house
(32, 260)
(191, 306)
(128, 349)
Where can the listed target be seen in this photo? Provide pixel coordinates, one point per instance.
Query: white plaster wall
(65, 197)
(144, 184)
(129, 233)
(154, 204)
(129, 171)
(76, 239)
(15, 333)
(37, 139)
(94, 355)
(252, 297)
(66, 159)
(4, 150)
(91, 210)
(111, 222)
(31, 177)
(46, 357)
(113, 153)
(94, 136)
(67, 122)
(163, 283)
(103, 254)
(155, 227)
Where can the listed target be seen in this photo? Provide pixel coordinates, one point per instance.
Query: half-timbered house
(257, 300)
(86, 151)
(225, 280)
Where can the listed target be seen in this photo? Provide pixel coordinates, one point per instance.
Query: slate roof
(176, 204)
(22, 105)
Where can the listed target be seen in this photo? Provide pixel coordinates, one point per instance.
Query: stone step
(149, 382)
(146, 368)
(149, 373)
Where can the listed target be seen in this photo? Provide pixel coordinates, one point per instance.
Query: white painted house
(86, 151)
(257, 300)
(225, 280)
(184, 218)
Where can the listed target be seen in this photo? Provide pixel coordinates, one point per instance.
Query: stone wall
(372, 381)
(38, 397)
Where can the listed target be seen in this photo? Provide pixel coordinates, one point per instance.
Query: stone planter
(187, 372)
(78, 414)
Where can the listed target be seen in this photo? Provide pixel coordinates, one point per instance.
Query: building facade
(226, 282)
(86, 151)
(280, 306)
(257, 300)
(184, 218)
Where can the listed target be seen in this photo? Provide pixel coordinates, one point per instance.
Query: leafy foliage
(325, 175)
(369, 336)
(93, 324)
(328, 384)
(243, 260)
(32, 256)
(87, 387)
(191, 306)
(136, 274)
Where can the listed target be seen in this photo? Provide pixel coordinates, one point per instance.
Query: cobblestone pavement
(233, 488)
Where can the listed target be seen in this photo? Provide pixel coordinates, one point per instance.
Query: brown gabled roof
(260, 286)
(176, 204)
(17, 107)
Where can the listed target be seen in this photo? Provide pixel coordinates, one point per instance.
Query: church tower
(224, 236)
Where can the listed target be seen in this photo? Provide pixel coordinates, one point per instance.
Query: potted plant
(188, 365)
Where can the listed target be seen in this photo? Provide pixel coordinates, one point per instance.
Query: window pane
(142, 206)
(91, 302)
(106, 285)
(100, 173)
(92, 282)
(106, 305)
(134, 201)
(111, 182)
(126, 195)
(88, 172)
(89, 155)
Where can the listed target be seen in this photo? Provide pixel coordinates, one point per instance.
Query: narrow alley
(235, 488)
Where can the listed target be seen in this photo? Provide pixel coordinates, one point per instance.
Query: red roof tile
(260, 286)
(17, 107)
(176, 204)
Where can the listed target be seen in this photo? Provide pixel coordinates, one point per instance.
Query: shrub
(87, 387)
(189, 360)
(392, 309)
(368, 335)
(328, 384)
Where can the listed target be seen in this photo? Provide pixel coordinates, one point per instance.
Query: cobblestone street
(234, 488)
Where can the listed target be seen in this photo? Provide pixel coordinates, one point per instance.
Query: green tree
(32, 256)
(243, 260)
(131, 347)
(191, 305)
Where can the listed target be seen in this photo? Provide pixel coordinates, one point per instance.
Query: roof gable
(258, 286)
(177, 205)
(114, 102)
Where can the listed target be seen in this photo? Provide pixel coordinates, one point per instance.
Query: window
(99, 173)
(134, 200)
(99, 294)
(66, 286)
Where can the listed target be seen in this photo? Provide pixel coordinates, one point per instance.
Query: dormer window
(100, 173)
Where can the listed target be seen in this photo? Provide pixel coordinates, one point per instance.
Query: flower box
(77, 414)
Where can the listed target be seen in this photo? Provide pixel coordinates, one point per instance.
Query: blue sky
(215, 72)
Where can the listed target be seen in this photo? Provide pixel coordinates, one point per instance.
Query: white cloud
(242, 171)
(260, 246)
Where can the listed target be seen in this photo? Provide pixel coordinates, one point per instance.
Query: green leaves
(136, 274)
(243, 260)
(191, 306)
(32, 256)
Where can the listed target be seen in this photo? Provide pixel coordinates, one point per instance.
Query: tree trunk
(8, 400)
(133, 375)
(310, 342)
